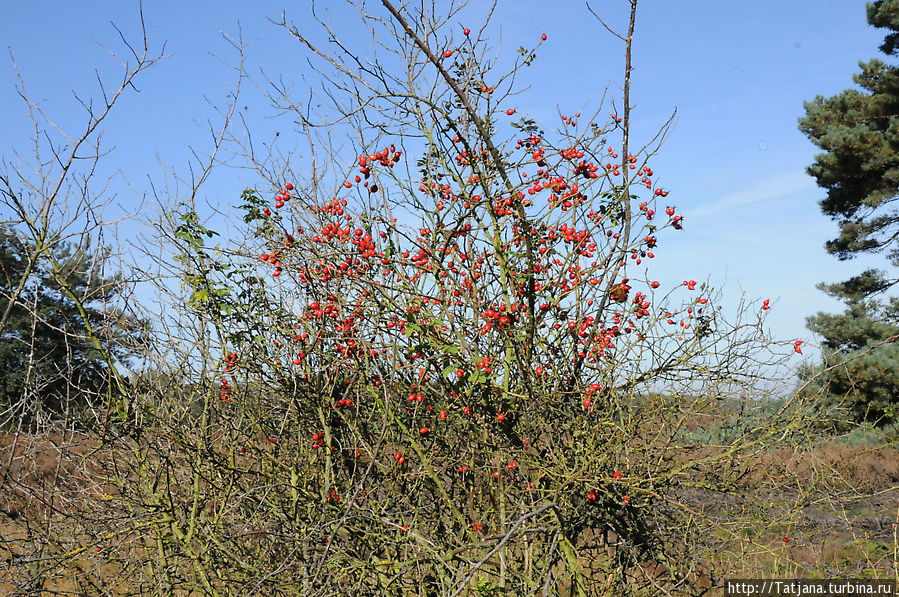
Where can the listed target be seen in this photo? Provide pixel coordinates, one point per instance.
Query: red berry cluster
(503, 206)
(644, 207)
(591, 392)
(500, 319)
(641, 308)
(226, 390)
(275, 260)
(484, 365)
(594, 495)
(387, 157)
(230, 364)
(280, 199)
(318, 440)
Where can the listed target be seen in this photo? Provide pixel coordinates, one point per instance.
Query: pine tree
(50, 366)
(858, 129)
(863, 379)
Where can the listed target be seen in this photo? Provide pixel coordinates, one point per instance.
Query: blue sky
(737, 73)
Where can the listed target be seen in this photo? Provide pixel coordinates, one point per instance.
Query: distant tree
(858, 129)
(54, 356)
(863, 370)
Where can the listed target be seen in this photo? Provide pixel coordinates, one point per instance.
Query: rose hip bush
(442, 364)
